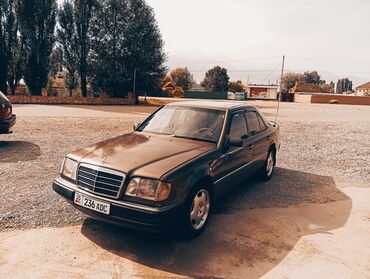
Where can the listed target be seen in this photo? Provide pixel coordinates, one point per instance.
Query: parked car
(239, 96)
(173, 168)
(7, 118)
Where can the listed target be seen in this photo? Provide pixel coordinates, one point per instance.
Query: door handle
(268, 138)
(250, 147)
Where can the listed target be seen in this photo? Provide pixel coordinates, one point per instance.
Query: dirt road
(312, 220)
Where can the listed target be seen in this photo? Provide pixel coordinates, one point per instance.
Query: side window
(238, 127)
(253, 123)
(262, 124)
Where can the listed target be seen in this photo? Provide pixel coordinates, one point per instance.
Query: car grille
(102, 181)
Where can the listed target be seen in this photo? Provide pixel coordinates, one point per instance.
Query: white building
(363, 90)
(264, 92)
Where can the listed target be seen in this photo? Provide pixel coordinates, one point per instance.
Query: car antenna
(281, 86)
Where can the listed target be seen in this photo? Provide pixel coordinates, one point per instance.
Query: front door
(233, 164)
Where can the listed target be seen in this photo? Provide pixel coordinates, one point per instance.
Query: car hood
(142, 154)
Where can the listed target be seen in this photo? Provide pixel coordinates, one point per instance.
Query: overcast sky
(249, 36)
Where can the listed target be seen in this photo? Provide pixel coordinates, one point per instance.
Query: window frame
(242, 112)
(259, 118)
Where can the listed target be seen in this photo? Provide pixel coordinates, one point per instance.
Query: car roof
(212, 104)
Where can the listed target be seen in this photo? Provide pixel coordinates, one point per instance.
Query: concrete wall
(298, 98)
(70, 100)
(342, 99)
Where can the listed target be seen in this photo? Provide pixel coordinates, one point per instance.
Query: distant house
(267, 92)
(363, 90)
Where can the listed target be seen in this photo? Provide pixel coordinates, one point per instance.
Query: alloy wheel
(199, 211)
(270, 164)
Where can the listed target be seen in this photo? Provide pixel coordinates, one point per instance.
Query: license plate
(92, 204)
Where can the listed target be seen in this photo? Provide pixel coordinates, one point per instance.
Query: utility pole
(135, 87)
(281, 78)
(281, 87)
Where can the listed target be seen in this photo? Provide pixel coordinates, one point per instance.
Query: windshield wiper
(193, 138)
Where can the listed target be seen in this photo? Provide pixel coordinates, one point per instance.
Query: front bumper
(124, 214)
(7, 124)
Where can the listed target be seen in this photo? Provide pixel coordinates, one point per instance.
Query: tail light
(5, 111)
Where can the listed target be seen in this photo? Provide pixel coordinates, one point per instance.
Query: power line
(236, 71)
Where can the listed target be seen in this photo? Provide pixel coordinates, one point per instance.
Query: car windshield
(184, 122)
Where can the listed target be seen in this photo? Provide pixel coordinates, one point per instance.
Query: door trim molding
(238, 169)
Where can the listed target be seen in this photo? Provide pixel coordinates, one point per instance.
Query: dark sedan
(173, 168)
(7, 118)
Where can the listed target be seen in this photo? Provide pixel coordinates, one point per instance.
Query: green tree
(289, 81)
(74, 18)
(181, 77)
(311, 77)
(344, 85)
(145, 47)
(4, 57)
(236, 86)
(68, 41)
(216, 80)
(125, 37)
(37, 20)
(11, 49)
(83, 10)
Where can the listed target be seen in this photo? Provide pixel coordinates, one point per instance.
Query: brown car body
(185, 163)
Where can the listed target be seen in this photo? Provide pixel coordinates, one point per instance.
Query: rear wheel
(196, 212)
(269, 166)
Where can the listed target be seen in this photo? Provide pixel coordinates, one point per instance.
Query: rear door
(259, 136)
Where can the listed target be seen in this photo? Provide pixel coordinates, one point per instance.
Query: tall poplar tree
(16, 49)
(4, 35)
(37, 19)
(74, 18)
(125, 37)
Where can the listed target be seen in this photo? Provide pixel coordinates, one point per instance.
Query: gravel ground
(315, 161)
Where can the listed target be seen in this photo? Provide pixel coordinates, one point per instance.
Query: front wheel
(196, 212)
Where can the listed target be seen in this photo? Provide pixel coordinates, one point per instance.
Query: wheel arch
(273, 148)
(207, 181)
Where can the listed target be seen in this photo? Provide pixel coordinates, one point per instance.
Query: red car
(7, 118)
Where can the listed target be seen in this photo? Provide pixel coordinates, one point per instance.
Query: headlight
(148, 189)
(69, 168)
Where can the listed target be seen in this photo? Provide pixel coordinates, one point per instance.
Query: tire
(196, 213)
(268, 167)
(5, 131)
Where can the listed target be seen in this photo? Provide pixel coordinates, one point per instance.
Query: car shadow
(250, 232)
(18, 151)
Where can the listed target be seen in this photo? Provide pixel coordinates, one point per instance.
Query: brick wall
(70, 100)
(342, 99)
